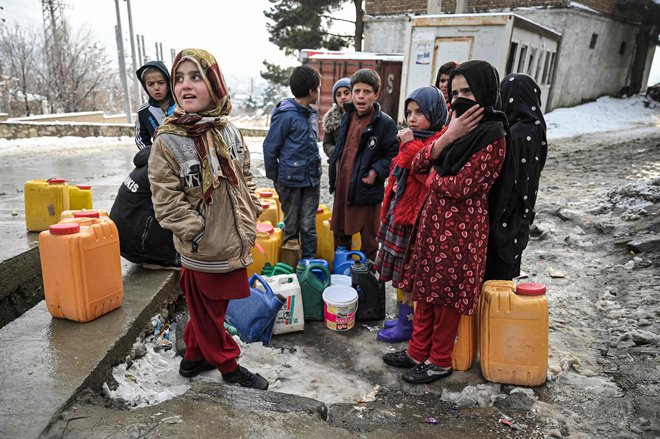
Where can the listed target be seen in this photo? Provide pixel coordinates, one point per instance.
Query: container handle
(357, 253)
(258, 277)
(325, 271)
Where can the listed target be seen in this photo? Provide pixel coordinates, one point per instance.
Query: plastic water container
(371, 292)
(321, 274)
(45, 200)
(322, 214)
(279, 268)
(291, 317)
(344, 260)
(254, 316)
(80, 197)
(465, 344)
(266, 247)
(270, 213)
(270, 193)
(84, 213)
(514, 333)
(81, 269)
(326, 242)
(312, 287)
(340, 304)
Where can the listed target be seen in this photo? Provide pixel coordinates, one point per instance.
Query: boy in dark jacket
(141, 239)
(292, 159)
(155, 80)
(366, 145)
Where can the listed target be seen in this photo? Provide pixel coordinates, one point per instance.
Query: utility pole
(138, 94)
(172, 55)
(144, 49)
(122, 65)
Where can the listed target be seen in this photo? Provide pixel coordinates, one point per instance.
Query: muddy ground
(595, 245)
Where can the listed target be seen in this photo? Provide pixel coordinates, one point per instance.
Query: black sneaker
(425, 373)
(245, 378)
(399, 359)
(191, 368)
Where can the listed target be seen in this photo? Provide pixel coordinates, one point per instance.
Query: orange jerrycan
(80, 197)
(465, 345)
(270, 212)
(45, 200)
(84, 213)
(81, 269)
(271, 194)
(322, 214)
(266, 248)
(514, 333)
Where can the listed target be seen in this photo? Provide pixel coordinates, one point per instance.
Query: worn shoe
(245, 378)
(399, 359)
(191, 368)
(425, 373)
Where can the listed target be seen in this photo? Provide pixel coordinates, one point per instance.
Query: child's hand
(404, 135)
(370, 178)
(460, 126)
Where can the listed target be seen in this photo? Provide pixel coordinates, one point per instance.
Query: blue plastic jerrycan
(254, 316)
(317, 271)
(344, 260)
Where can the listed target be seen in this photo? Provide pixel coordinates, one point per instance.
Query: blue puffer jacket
(291, 154)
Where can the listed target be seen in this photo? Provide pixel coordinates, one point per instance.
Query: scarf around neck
(205, 128)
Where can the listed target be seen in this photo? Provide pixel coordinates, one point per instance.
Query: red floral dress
(446, 259)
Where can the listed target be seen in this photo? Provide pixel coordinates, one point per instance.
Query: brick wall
(395, 7)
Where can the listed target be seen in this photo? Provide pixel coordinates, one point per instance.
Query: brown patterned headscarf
(205, 128)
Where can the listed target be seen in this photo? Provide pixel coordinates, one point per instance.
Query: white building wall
(584, 74)
(385, 34)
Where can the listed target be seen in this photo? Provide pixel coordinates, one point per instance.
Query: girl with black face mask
(445, 261)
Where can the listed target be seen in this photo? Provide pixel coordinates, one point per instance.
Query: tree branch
(337, 19)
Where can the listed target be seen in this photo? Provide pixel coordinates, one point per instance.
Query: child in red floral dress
(426, 115)
(445, 262)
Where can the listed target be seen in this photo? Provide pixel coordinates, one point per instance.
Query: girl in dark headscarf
(521, 101)
(446, 259)
(426, 114)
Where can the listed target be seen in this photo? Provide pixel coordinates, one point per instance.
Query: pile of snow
(59, 144)
(154, 378)
(605, 114)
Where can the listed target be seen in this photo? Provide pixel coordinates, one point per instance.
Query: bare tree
(18, 55)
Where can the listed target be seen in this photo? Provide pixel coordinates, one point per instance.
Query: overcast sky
(234, 31)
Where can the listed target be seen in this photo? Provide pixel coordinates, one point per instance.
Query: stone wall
(22, 130)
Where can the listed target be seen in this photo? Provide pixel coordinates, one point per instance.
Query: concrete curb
(55, 359)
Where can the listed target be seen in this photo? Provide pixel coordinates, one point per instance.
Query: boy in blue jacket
(292, 159)
(360, 163)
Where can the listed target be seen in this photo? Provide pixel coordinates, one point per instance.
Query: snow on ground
(605, 114)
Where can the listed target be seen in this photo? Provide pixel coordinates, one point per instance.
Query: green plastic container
(278, 268)
(312, 289)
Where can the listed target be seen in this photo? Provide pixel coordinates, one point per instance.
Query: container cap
(86, 214)
(530, 289)
(265, 205)
(84, 187)
(64, 228)
(56, 181)
(320, 210)
(264, 228)
(265, 194)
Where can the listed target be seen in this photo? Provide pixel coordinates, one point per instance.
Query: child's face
(156, 85)
(415, 118)
(461, 89)
(363, 96)
(444, 82)
(342, 95)
(190, 89)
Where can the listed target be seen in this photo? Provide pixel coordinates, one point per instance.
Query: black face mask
(461, 105)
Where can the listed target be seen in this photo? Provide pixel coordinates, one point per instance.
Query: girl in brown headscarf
(199, 171)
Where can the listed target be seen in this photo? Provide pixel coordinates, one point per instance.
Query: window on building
(539, 67)
(551, 69)
(530, 64)
(594, 38)
(546, 64)
(622, 48)
(512, 57)
(521, 59)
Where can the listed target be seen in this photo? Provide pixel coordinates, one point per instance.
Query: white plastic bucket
(340, 279)
(340, 304)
